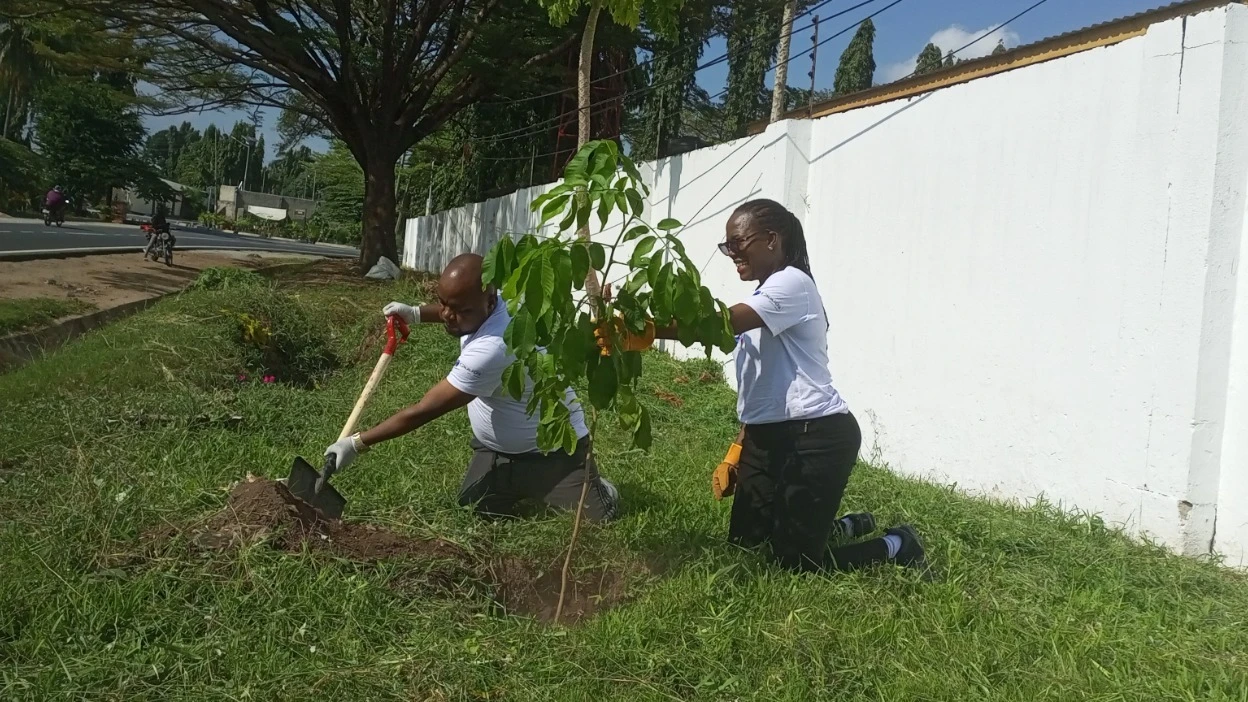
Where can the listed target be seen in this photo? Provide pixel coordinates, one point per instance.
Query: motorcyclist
(55, 201)
(160, 227)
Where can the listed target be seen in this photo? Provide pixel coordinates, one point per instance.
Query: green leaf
(583, 211)
(667, 224)
(566, 223)
(602, 181)
(580, 264)
(630, 168)
(627, 409)
(643, 438)
(634, 232)
(490, 268)
(632, 361)
(554, 207)
(521, 334)
(603, 384)
(569, 438)
(729, 338)
(563, 278)
(643, 249)
(635, 283)
(654, 268)
(604, 209)
(635, 202)
(597, 256)
(539, 289)
(578, 164)
(686, 301)
(513, 380)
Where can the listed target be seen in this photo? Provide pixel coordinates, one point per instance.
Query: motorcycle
(162, 248)
(49, 219)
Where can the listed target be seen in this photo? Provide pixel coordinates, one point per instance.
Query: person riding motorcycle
(160, 226)
(55, 201)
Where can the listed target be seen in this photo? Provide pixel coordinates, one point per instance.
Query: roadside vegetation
(123, 448)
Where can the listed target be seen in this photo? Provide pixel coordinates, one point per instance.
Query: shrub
(278, 337)
(224, 278)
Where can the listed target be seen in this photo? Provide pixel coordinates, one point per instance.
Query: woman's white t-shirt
(782, 367)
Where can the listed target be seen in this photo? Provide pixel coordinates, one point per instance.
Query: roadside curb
(99, 250)
(23, 347)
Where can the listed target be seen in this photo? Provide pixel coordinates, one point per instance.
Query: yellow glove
(724, 479)
(628, 340)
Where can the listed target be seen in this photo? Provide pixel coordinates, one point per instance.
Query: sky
(900, 33)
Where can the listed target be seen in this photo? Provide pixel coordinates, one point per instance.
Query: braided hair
(771, 216)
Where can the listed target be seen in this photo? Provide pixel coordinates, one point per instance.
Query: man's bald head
(465, 305)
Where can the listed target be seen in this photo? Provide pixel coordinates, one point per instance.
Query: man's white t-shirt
(782, 367)
(499, 422)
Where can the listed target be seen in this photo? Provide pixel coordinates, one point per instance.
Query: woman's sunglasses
(736, 246)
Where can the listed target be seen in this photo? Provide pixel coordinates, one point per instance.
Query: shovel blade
(302, 484)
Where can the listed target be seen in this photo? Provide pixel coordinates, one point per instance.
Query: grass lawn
(145, 424)
(22, 314)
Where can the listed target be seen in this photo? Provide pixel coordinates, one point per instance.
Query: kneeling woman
(798, 440)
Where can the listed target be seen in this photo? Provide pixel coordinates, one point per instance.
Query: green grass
(1029, 603)
(23, 314)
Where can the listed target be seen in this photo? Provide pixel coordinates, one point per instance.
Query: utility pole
(782, 61)
(433, 168)
(814, 57)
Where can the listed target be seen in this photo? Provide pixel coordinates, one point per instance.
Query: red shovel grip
(392, 340)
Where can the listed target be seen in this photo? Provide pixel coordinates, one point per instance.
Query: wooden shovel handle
(378, 371)
(396, 333)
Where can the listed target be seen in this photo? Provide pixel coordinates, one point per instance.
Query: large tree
(164, 149)
(857, 66)
(90, 136)
(753, 30)
(929, 60)
(380, 76)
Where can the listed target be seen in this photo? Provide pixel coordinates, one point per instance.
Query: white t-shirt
(782, 367)
(499, 422)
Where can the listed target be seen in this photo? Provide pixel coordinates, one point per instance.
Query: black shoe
(860, 524)
(911, 553)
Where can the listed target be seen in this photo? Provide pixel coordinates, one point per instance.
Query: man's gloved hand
(628, 340)
(410, 314)
(345, 450)
(724, 479)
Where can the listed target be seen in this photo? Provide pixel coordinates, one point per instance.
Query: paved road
(27, 235)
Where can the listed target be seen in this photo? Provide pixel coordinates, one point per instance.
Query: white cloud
(948, 39)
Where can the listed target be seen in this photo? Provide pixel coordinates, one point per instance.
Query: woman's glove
(628, 340)
(724, 479)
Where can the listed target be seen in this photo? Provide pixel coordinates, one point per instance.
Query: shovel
(313, 487)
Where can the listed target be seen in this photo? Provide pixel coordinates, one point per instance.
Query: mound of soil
(259, 508)
(262, 510)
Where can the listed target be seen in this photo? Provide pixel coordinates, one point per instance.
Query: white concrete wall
(1032, 278)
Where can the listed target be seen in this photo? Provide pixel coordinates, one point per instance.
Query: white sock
(893, 542)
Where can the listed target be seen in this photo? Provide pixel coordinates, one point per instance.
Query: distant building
(232, 200)
(128, 203)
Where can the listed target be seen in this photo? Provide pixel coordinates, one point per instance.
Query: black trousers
(790, 481)
(497, 483)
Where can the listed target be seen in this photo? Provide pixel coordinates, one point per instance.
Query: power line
(652, 59)
(542, 126)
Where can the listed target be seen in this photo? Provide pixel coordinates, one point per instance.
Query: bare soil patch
(110, 280)
(261, 510)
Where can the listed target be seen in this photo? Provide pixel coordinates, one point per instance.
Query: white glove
(410, 314)
(344, 452)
